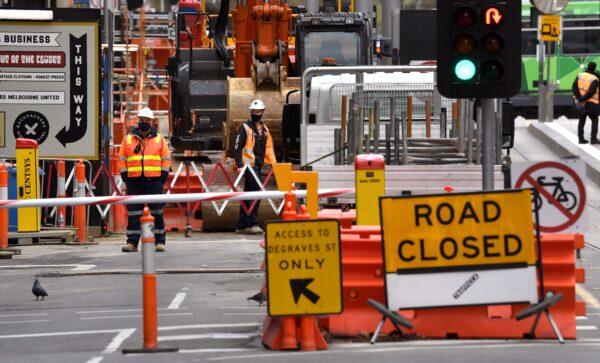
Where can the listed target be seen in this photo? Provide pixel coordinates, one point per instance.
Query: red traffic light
(465, 17)
(493, 16)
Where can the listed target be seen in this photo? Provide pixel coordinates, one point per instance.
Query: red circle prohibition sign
(571, 217)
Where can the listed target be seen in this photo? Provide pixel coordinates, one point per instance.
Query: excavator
(211, 88)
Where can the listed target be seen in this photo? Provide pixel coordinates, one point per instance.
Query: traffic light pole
(489, 142)
(542, 86)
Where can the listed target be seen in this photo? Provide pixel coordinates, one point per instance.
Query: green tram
(580, 44)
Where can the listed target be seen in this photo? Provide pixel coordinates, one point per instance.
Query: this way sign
(561, 195)
(304, 274)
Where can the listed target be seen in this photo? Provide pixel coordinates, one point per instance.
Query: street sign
(550, 6)
(459, 249)
(550, 28)
(304, 273)
(561, 199)
(50, 77)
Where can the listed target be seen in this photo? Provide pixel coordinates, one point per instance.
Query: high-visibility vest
(248, 150)
(584, 82)
(153, 156)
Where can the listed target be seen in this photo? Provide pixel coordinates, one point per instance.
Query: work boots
(129, 248)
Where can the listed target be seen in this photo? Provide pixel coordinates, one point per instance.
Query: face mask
(144, 126)
(255, 118)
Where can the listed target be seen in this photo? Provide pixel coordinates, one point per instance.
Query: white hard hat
(257, 105)
(145, 112)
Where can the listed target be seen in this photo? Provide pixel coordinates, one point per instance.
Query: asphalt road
(94, 307)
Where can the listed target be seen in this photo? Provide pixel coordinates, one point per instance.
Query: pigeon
(260, 298)
(38, 290)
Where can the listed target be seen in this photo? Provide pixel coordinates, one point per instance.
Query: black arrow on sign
(78, 92)
(299, 288)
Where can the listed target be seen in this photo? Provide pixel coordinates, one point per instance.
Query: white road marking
(589, 299)
(129, 316)
(177, 300)
(241, 307)
(208, 336)
(95, 360)
(245, 314)
(219, 350)
(185, 289)
(118, 340)
(581, 318)
(208, 326)
(14, 315)
(74, 267)
(58, 334)
(24, 321)
(586, 327)
(116, 311)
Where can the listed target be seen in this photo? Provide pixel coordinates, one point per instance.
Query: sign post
(28, 178)
(304, 275)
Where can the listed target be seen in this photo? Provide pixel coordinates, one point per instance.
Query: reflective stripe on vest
(584, 82)
(149, 161)
(248, 150)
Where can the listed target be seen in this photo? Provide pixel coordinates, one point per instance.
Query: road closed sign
(50, 83)
(304, 274)
(459, 249)
(561, 195)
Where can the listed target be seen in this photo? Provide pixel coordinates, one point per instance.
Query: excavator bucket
(241, 92)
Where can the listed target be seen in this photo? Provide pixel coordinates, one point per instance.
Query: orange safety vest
(248, 151)
(584, 82)
(152, 157)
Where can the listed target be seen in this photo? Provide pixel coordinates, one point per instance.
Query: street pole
(542, 90)
(489, 143)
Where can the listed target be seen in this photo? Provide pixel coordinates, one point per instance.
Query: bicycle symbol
(559, 194)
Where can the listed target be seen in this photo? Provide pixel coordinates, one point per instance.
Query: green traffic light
(465, 70)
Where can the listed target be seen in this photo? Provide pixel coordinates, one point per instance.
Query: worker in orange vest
(586, 92)
(144, 161)
(253, 146)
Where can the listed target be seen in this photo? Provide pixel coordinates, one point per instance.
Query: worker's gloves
(164, 175)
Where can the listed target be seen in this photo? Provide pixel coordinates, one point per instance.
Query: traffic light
(479, 48)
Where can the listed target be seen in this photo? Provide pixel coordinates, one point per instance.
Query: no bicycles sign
(561, 196)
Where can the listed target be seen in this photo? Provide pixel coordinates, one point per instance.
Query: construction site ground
(93, 310)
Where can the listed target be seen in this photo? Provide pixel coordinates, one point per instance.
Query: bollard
(289, 340)
(149, 306)
(61, 192)
(79, 212)
(307, 323)
(369, 171)
(149, 281)
(119, 211)
(3, 212)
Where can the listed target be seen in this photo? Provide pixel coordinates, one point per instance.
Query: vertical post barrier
(3, 212)
(289, 340)
(409, 115)
(119, 211)
(79, 212)
(149, 282)
(307, 323)
(427, 119)
(61, 192)
(149, 306)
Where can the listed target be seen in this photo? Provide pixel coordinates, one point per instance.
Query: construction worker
(144, 160)
(586, 95)
(253, 146)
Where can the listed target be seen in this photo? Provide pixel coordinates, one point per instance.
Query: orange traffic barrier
(285, 333)
(119, 211)
(362, 279)
(3, 212)
(79, 212)
(61, 192)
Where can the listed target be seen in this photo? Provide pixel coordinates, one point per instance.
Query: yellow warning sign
(454, 230)
(550, 28)
(2, 130)
(304, 274)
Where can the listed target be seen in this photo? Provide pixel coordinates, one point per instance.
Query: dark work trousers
(144, 186)
(590, 110)
(250, 185)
